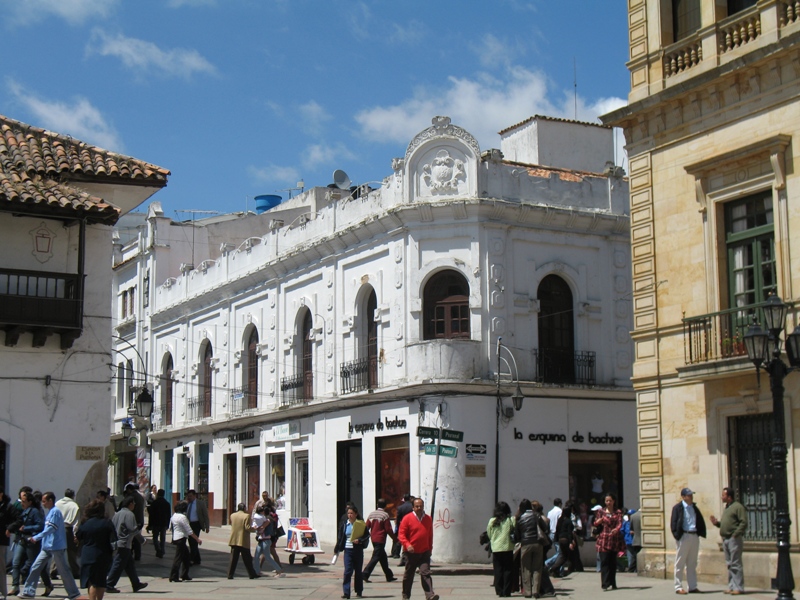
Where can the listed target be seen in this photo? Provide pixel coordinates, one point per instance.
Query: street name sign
(448, 451)
(450, 435)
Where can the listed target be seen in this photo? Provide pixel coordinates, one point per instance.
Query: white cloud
(182, 3)
(412, 33)
(482, 104)
(274, 174)
(72, 11)
(142, 56)
(492, 52)
(79, 119)
(317, 155)
(314, 116)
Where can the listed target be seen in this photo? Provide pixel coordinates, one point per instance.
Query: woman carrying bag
(501, 538)
(609, 541)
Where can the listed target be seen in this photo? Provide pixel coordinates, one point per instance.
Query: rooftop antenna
(196, 212)
(575, 84)
(299, 187)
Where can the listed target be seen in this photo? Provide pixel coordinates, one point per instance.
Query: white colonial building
(59, 200)
(300, 349)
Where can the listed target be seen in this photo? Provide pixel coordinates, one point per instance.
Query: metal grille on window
(749, 444)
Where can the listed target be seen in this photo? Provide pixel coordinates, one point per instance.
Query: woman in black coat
(96, 536)
(8, 514)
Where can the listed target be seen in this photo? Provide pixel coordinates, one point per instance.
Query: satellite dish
(341, 180)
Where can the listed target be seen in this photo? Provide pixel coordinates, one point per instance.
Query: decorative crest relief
(442, 128)
(443, 173)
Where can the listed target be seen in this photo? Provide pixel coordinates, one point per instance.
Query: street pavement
(322, 580)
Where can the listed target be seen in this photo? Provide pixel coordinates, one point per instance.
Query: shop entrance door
(592, 474)
(252, 475)
(230, 487)
(349, 479)
(183, 474)
(300, 491)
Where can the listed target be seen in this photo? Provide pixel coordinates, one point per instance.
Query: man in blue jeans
(54, 546)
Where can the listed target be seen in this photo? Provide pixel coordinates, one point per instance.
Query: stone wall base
(759, 567)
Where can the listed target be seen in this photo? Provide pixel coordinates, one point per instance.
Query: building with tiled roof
(59, 197)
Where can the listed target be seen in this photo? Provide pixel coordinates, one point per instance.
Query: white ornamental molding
(441, 127)
(443, 173)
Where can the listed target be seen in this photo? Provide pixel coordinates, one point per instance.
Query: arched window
(446, 311)
(251, 373)
(121, 395)
(167, 390)
(371, 350)
(129, 383)
(206, 391)
(307, 340)
(556, 352)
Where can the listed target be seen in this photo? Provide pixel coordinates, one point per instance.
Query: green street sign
(449, 435)
(448, 451)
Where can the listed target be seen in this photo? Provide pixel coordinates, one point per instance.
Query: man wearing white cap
(688, 527)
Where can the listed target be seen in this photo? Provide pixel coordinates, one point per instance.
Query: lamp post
(764, 349)
(516, 398)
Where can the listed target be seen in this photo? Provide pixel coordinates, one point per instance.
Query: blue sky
(245, 97)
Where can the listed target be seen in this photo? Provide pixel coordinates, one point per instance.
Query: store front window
(251, 473)
(394, 474)
(300, 485)
(592, 475)
(277, 479)
(202, 472)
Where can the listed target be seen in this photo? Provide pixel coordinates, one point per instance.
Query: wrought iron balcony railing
(359, 375)
(556, 365)
(720, 335)
(197, 409)
(242, 400)
(297, 389)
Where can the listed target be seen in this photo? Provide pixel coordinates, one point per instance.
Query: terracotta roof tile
(36, 167)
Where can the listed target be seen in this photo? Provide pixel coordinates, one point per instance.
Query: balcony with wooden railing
(36, 301)
(720, 335)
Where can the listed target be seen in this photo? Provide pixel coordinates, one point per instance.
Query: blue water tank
(267, 201)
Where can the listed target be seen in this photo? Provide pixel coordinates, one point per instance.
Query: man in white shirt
(553, 516)
(71, 512)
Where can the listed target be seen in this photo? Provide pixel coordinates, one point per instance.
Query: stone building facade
(711, 130)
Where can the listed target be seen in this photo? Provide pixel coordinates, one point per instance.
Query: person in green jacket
(732, 526)
(501, 537)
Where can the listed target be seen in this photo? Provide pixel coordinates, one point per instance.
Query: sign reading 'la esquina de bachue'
(578, 438)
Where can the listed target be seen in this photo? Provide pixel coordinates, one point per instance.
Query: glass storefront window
(394, 475)
(277, 479)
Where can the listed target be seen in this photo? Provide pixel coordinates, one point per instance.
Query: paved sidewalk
(322, 581)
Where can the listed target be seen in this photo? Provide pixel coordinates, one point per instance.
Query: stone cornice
(677, 111)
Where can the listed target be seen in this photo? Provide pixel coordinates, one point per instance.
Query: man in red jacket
(416, 537)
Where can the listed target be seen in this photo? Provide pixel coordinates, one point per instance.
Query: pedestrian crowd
(48, 538)
(42, 538)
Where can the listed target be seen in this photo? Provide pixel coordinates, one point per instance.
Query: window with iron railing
(559, 366)
(295, 390)
(750, 465)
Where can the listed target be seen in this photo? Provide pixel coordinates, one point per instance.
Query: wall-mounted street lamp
(764, 349)
(517, 398)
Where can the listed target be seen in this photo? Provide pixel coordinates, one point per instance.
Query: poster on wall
(142, 469)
